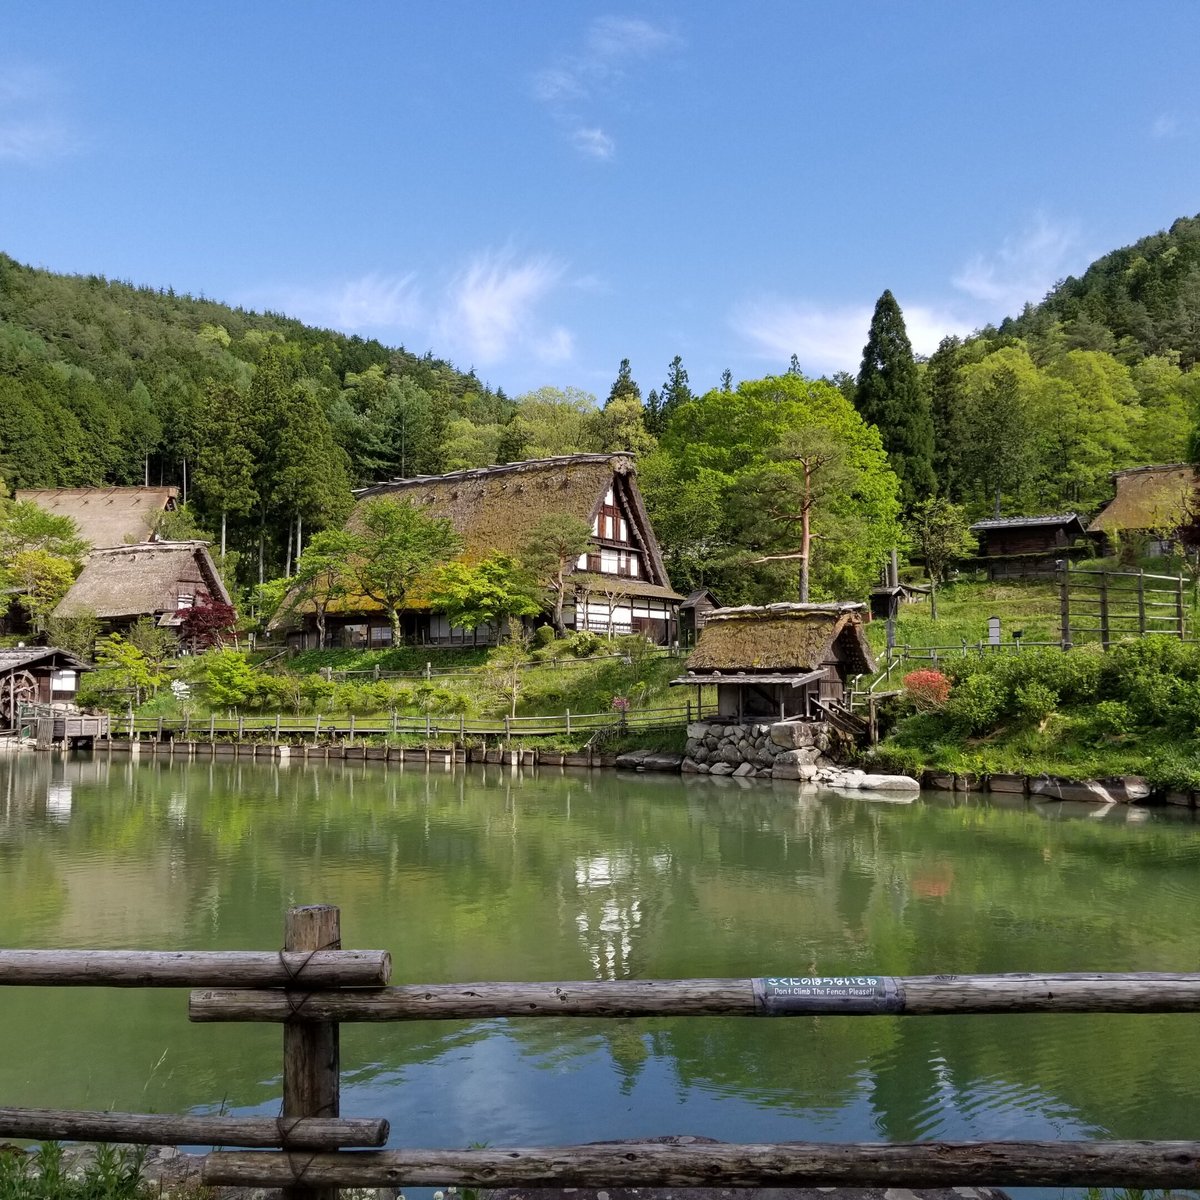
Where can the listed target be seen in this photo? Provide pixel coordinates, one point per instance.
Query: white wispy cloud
(611, 39)
(1165, 125)
(489, 312)
(493, 309)
(31, 130)
(594, 142)
(831, 338)
(1024, 268)
(370, 303)
(578, 83)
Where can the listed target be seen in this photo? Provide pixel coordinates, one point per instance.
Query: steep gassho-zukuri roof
(495, 509)
(106, 516)
(131, 581)
(1158, 498)
(781, 638)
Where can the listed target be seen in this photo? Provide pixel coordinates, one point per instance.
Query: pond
(485, 874)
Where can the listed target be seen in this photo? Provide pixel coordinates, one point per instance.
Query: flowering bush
(620, 704)
(927, 690)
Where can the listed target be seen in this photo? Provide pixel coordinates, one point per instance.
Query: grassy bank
(1082, 714)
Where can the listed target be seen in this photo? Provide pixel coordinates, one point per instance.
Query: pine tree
(889, 395)
(624, 384)
(674, 393)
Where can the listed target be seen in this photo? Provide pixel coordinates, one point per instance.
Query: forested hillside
(259, 418)
(761, 491)
(1138, 301)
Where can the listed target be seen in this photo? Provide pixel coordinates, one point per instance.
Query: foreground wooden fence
(311, 986)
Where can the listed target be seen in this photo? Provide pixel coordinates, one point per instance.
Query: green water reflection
(469, 875)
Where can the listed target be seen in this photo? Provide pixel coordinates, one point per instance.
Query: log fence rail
(311, 986)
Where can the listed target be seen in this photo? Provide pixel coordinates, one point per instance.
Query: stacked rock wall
(786, 750)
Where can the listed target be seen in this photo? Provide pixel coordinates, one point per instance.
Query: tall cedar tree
(947, 408)
(889, 396)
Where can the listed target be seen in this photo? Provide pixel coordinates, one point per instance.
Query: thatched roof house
(1153, 501)
(156, 579)
(621, 583)
(778, 660)
(106, 516)
(36, 675)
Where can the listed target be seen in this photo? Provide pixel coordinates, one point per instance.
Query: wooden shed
(693, 612)
(1026, 547)
(774, 661)
(36, 675)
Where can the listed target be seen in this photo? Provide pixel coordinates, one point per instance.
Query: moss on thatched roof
(1155, 499)
(106, 516)
(495, 510)
(136, 581)
(782, 637)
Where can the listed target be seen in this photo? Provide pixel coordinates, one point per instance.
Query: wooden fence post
(1104, 609)
(311, 1051)
(1179, 607)
(1141, 586)
(1064, 603)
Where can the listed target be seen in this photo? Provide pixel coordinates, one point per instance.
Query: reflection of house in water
(611, 908)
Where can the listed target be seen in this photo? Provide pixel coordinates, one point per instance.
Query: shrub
(927, 690)
(1112, 717)
(543, 636)
(583, 643)
(976, 704)
(1034, 701)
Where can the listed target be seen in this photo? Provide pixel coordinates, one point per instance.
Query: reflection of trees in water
(465, 875)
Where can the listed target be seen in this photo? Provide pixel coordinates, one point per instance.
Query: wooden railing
(311, 986)
(434, 725)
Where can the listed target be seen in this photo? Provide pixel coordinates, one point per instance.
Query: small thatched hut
(620, 585)
(1150, 502)
(106, 516)
(155, 579)
(774, 661)
(36, 675)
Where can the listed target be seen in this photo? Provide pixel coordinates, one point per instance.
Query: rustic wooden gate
(1105, 606)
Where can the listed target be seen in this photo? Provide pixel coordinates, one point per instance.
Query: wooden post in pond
(278, 718)
(212, 728)
(311, 1050)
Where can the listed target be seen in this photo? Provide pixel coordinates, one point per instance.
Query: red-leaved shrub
(926, 689)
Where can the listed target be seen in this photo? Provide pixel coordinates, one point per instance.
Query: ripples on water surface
(473, 876)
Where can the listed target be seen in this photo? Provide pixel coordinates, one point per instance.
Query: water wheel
(16, 689)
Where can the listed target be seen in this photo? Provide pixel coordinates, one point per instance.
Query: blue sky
(541, 189)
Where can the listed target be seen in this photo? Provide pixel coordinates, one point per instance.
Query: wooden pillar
(311, 1051)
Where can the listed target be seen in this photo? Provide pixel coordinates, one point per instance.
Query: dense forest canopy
(265, 424)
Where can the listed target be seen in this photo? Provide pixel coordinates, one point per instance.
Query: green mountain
(1138, 301)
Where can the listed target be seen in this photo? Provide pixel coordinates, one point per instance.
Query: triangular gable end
(623, 501)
